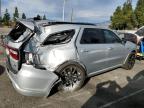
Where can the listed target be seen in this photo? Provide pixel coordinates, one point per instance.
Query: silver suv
(41, 54)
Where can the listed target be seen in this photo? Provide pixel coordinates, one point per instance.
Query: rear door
(117, 52)
(92, 49)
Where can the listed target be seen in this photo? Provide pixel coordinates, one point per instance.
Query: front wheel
(129, 64)
(73, 77)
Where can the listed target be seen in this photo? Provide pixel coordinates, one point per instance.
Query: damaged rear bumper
(30, 81)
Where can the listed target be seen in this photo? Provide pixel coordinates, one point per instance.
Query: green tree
(39, 17)
(16, 14)
(124, 18)
(139, 12)
(117, 21)
(134, 21)
(23, 16)
(6, 18)
(44, 17)
(129, 17)
(0, 20)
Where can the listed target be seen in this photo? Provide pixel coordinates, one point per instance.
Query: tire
(129, 64)
(72, 77)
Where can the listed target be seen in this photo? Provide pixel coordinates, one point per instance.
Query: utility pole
(129, 1)
(64, 2)
(72, 15)
(0, 9)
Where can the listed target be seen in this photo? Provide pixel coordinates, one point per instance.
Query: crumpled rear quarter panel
(53, 56)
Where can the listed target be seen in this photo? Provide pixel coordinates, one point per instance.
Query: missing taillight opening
(29, 58)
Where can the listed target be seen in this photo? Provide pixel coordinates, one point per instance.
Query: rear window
(18, 30)
(59, 37)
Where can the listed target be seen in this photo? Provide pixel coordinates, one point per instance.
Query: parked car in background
(140, 33)
(41, 54)
(133, 36)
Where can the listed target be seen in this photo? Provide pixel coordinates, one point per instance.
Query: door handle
(110, 48)
(84, 51)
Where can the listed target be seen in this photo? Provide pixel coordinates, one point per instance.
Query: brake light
(12, 52)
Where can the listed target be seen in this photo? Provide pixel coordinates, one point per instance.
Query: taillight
(29, 58)
(13, 53)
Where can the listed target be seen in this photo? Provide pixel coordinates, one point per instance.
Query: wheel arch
(133, 51)
(71, 62)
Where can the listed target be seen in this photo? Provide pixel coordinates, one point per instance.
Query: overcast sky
(84, 10)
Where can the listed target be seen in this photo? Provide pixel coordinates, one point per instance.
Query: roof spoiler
(29, 23)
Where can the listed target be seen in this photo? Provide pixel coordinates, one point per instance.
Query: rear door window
(60, 37)
(18, 31)
(92, 36)
(111, 37)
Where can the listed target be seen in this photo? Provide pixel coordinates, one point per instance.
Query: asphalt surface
(115, 89)
(118, 88)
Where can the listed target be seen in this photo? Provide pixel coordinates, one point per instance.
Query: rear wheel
(129, 64)
(72, 76)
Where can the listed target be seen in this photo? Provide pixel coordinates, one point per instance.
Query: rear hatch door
(16, 41)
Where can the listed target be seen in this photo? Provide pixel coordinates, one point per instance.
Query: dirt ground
(118, 88)
(4, 31)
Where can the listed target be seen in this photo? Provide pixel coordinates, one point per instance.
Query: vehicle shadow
(2, 69)
(110, 95)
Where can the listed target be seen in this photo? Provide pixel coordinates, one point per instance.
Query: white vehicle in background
(140, 33)
(133, 36)
(136, 36)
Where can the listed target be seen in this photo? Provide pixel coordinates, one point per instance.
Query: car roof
(36, 23)
(53, 22)
(45, 23)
